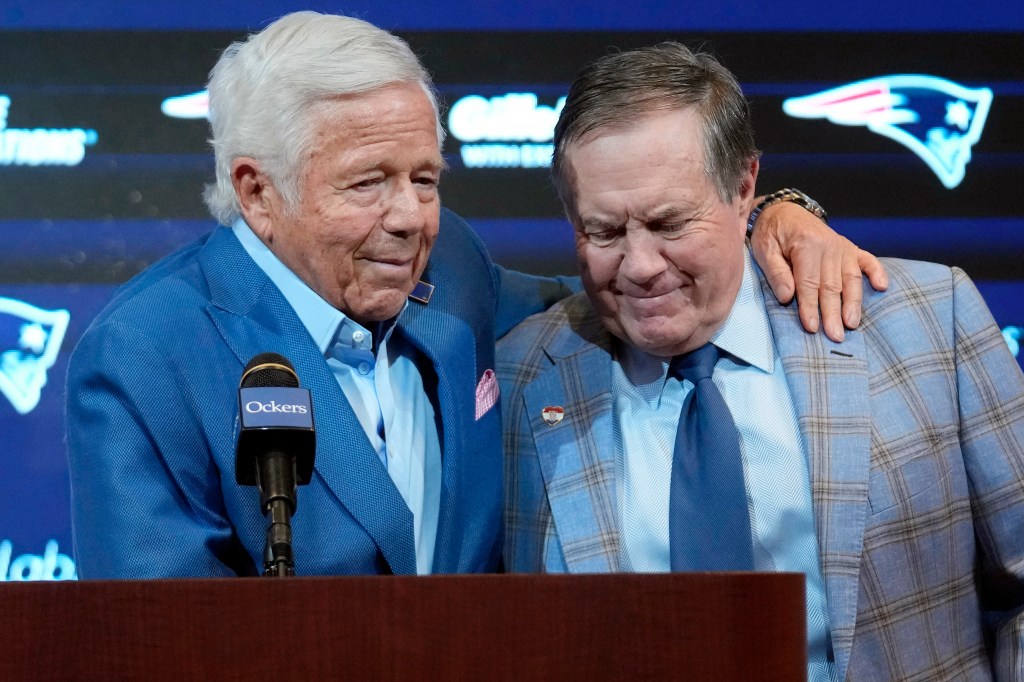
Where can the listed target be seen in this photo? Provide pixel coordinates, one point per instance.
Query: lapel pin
(422, 292)
(552, 415)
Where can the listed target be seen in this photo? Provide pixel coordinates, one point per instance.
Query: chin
(661, 350)
(380, 311)
(652, 345)
(659, 340)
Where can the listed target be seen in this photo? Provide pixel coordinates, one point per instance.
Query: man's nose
(404, 210)
(642, 259)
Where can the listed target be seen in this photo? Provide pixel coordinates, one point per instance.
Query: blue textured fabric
(709, 526)
(384, 390)
(152, 407)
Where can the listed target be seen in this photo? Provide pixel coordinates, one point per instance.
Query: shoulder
(566, 327)
(172, 277)
(917, 290)
(160, 307)
(928, 284)
(458, 251)
(930, 307)
(910, 278)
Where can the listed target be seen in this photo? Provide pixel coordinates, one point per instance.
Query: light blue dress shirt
(385, 391)
(647, 407)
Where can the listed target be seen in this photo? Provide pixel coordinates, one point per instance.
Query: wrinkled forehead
(415, 97)
(658, 145)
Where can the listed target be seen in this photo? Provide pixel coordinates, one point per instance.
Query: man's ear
(747, 193)
(257, 196)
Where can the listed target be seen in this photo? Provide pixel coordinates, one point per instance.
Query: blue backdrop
(103, 156)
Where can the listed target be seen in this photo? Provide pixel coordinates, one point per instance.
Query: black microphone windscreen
(268, 370)
(275, 415)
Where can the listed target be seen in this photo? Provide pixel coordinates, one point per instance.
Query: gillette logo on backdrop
(507, 131)
(30, 338)
(935, 118)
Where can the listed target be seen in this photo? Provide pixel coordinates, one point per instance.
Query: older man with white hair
(337, 255)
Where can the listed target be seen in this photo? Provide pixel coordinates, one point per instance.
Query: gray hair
(264, 92)
(615, 89)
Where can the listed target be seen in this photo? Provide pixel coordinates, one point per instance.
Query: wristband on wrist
(788, 194)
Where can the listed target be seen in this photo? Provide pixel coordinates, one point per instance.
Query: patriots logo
(33, 337)
(937, 119)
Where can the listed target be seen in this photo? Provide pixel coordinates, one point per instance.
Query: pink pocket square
(486, 393)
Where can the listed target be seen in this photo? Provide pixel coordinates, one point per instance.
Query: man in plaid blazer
(906, 440)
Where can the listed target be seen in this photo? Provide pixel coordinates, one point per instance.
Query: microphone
(275, 449)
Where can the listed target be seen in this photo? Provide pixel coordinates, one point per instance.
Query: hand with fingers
(801, 255)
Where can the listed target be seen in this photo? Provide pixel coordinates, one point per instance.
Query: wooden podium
(720, 627)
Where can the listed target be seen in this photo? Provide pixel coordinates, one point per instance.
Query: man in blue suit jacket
(889, 469)
(327, 145)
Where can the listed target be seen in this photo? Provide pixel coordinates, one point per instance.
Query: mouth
(636, 294)
(650, 291)
(645, 295)
(391, 262)
(657, 301)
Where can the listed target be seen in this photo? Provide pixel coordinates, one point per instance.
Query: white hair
(264, 92)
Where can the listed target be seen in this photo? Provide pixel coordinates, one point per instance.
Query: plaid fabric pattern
(914, 427)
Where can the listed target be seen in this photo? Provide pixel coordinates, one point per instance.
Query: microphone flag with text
(275, 449)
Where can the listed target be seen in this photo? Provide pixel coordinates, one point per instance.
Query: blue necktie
(709, 526)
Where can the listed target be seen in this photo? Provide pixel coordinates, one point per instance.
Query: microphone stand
(277, 476)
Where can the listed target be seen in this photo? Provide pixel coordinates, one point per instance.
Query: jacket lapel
(448, 343)
(577, 454)
(829, 385)
(253, 317)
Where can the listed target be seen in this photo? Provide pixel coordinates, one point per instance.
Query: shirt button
(358, 336)
(364, 368)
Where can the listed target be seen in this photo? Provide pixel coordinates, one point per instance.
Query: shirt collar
(746, 333)
(326, 324)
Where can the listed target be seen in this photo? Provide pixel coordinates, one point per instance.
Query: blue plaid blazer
(914, 430)
(153, 407)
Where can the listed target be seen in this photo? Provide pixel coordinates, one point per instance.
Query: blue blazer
(914, 433)
(152, 414)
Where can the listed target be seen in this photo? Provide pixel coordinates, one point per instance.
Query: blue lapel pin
(422, 292)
